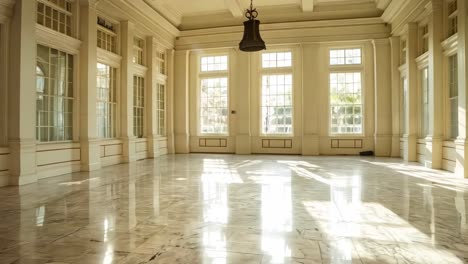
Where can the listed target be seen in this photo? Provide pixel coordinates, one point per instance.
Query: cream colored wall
(436, 150)
(310, 91)
(25, 160)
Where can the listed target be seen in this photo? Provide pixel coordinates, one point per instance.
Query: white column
(4, 31)
(383, 93)
(435, 135)
(395, 75)
(310, 112)
(170, 116)
(151, 98)
(242, 102)
(411, 99)
(461, 142)
(22, 94)
(126, 92)
(181, 101)
(90, 150)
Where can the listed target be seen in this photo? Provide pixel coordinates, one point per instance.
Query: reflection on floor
(239, 209)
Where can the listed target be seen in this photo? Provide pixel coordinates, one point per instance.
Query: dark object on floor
(366, 153)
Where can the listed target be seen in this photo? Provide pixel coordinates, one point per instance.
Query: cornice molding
(287, 33)
(6, 9)
(450, 45)
(382, 4)
(143, 15)
(401, 12)
(54, 39)
(285, 26)
(165, 9)
(109, 58)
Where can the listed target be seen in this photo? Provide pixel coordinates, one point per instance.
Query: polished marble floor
(239, 209)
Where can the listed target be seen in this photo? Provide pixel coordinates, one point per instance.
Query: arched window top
(40, 79)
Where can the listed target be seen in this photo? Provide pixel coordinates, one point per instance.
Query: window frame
(159, 110)
(161, 61)
(142, 81)
(117, 102)
(70, 16)
(423, 38)
(115, 33)
(403, 82)
(448, 81)
(347, 68)
(344, 58)
(137, 50)
(202, 75)
(269, 71)
(73, 97)
(423, 121)
(449, 17)
(403, 51)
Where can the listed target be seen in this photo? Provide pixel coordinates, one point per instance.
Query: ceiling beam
(235, 6)
(307, 5)
(382, 4)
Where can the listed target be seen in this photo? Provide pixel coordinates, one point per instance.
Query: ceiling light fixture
(251, 40)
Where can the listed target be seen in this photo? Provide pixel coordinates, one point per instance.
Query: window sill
(213, 135)
(346, 135)
(277, 135)
(45, 146)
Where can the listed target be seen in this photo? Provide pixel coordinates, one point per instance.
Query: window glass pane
(55, 15)
(276, 104)
(214, 106)
(161, 109)
(345, 56)
(404, 107)
(214, 63)
(138, 50)
(345, 103)
(106, 100)
(138, 105)
(54, 104)
(276, 59)
(424, 102)
(453, 86)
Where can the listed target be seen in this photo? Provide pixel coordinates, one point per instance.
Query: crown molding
(401, 12)
(382, 4)
(54, 39)
(287, 33)
(235, 7)
(6, 9)
(165, 9)
(145, 17)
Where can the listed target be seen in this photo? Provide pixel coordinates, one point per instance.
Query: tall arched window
(54, 95)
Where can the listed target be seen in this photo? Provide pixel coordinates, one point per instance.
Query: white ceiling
(193, 14)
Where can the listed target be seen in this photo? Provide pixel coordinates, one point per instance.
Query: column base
(410, 153)
(395, 146)
(310, 145)
(461, 166)
(433, 155)
(383, 145)
(243, 145)
(90, 155)
(182, 143)
(22, 162)
(129, 149)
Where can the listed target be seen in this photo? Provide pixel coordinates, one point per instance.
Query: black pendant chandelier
(252, 40)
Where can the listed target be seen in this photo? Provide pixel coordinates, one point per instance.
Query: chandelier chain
(251, 13)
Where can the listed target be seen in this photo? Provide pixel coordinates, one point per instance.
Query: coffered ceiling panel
(193, 14)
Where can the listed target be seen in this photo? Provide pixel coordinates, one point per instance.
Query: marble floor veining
(239, 209)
